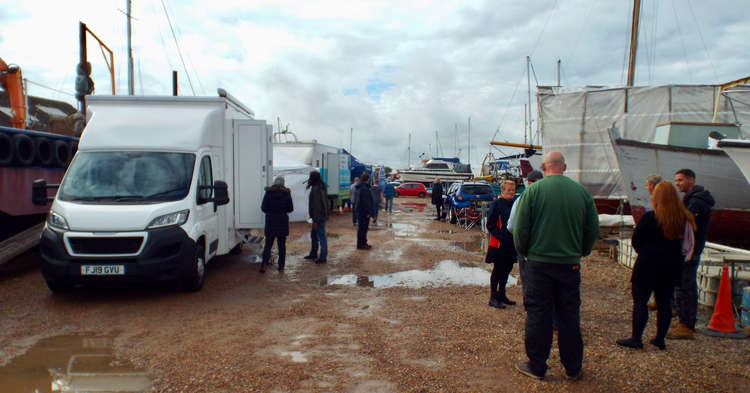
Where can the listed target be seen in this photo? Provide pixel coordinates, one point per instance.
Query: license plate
(102, 270)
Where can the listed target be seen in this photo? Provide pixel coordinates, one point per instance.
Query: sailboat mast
(633, 41)
(131, 81)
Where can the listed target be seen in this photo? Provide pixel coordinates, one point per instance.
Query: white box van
(147, 195)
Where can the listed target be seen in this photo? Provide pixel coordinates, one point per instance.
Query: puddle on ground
(477, 245)
(400, 229)
(74, 363)
(446, 273)
(413, 206)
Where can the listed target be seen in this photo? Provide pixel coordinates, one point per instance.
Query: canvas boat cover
(295, 174)
(575, 121)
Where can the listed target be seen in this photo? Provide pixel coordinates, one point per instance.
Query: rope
(177, 44)
(698, 26)
(50, 88)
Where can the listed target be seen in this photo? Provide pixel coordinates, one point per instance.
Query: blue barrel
(745, 315)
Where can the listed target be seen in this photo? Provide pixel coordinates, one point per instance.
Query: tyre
(61, 153)
(396, 194)
(59, 285)
(452, 215)
(421, 195)
(43, 148)
(6, 150)
(236, 250)
(23, 147)
(73, 148)
(195, 271)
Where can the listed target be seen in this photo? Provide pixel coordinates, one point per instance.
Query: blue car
(461, 196)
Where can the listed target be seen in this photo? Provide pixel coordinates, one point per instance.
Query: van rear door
(253, 169)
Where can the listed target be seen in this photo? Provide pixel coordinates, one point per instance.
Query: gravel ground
(275, 332)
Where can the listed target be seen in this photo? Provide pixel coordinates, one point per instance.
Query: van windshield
(128, 177)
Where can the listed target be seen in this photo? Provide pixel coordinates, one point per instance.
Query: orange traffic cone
(722, 320)
(340, 211)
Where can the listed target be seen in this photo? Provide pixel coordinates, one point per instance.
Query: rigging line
(654, 36)
(698, 26)
(161, 38)
(50, 88)
(682, 41)
(505, 113)
(189, 59)
(625, 54)
(178, 47)
(533, 71)
(539, 38)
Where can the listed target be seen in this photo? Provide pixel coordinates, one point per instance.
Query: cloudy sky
(385, 69)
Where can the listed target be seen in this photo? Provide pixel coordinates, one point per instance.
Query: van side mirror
(39, 192)
(221, 193)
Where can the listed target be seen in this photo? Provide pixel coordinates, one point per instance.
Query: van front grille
(105, 245)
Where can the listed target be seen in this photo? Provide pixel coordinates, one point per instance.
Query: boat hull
(714, 170)
(739, 152)
(428, 177)
(15, 183)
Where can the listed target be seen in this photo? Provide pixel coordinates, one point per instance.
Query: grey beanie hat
(278, 181)
(534, 176)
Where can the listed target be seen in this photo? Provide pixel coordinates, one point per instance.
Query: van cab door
(207, 217)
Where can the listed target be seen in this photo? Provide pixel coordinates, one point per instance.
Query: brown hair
(670, 211)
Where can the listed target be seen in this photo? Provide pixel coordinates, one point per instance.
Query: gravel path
(273, 332)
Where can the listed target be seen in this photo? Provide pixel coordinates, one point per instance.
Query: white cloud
(384, 68)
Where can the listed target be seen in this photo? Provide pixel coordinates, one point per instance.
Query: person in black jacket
(658, 241)
(363, 207)
(501, 252)
(437, 197)
(277, 204)
(699, 201)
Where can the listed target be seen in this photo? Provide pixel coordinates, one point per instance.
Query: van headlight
(57, 221)
(176, 218)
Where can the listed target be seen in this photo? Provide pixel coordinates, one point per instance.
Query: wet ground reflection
(74, 363)
(475, 245)
(413, 206)
(446, 273)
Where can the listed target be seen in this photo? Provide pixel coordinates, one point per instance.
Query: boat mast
(131, 81)
(633, 41)
(468, 161)
(528, 83)
(408, 164)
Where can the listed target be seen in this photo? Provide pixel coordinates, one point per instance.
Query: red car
(411, 189)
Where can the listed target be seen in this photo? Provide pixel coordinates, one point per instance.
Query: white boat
(713, 168)
(739, 151)
(447, 169)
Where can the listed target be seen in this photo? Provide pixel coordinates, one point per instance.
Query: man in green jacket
(556, 224)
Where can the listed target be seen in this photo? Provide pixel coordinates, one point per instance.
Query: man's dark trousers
(439, 207)
(687, 293)
(363, 223)
(553, 290)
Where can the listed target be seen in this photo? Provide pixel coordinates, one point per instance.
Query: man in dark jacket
(277, 204)
(437, 197)
(318, 211)
(363, 206)
(699, 201)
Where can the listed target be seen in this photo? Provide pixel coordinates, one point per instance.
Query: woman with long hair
(658, 239)
(318, 210)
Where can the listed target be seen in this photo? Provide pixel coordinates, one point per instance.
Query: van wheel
(59, 286)
(421, 195)
(237, 250)
(195, 272)
(396, 194)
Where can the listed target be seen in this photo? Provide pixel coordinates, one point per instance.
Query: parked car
(464, 195)
(411, 189)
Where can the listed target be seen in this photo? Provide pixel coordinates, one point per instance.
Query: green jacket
(318, 203)
(556, 221)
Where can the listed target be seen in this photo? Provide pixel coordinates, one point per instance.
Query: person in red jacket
(501, 252)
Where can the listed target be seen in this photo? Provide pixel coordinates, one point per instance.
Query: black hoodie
(277, 204)
(700, 201)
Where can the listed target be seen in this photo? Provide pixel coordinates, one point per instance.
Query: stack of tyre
(33, 148)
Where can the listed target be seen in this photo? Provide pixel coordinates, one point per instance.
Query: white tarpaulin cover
(295, 174)
(575, 122)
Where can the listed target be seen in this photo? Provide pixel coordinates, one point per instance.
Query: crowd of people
(548, 229)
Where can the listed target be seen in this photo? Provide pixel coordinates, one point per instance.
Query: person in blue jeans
(389, 193)
(377, 199)
(318, 210)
